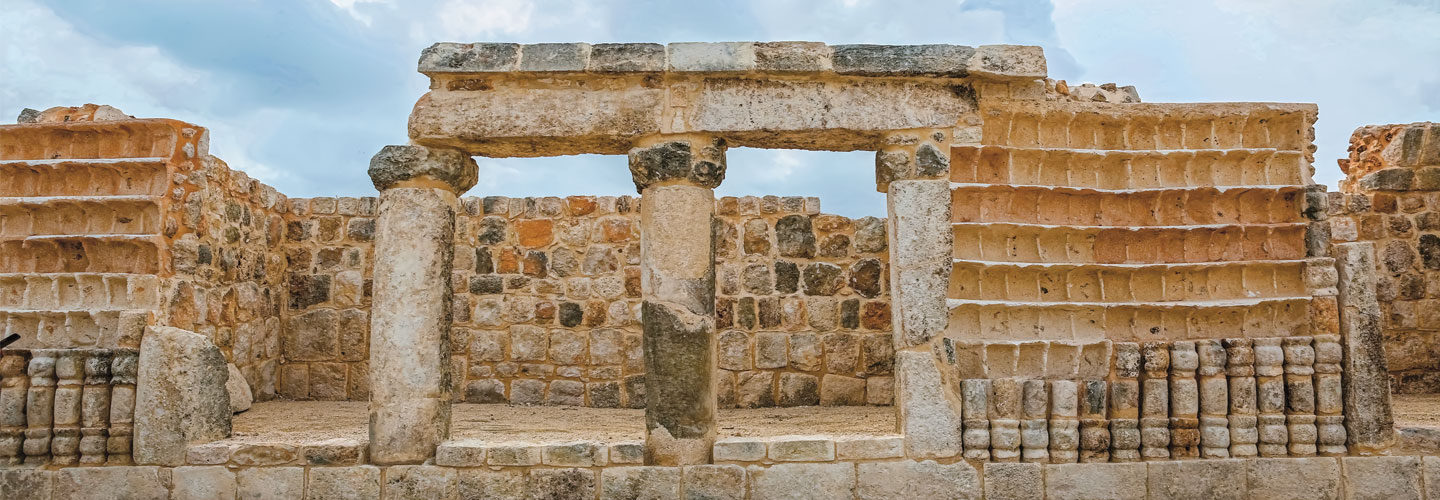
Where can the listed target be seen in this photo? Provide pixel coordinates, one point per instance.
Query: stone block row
(122, 254)
(95, 177)
(971, 280)
(1000, 62)
(840, 353)
(72, 328)
(1041, 360)
(1126, 170)
(802, 313)
(91, 140)
(1210, 398)
(21, 217)
(768, 388)
(1149, 126)
(79, 291)
(1003, 242)
(1357, 478)
(1170, 207)
(67, 407)
(1159, 321)
(240, 452)
(804, 448)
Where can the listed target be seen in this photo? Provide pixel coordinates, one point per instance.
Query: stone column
(14, 386)
(913, 168)
(410, 390)
(676, 177)
(1369, 423)
(95, 408)
(39, 407)
(1125, 404)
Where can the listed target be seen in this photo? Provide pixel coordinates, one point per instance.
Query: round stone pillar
(676, 178)
(410, 313)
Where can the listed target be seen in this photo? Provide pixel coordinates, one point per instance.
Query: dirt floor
(310, 421)
(1416, 410)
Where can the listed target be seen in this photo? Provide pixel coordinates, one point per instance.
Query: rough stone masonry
(1072, 295)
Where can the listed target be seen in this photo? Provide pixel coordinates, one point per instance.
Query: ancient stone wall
(1391, 196)
(546, 304)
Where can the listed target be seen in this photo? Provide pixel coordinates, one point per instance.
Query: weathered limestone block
(930, 417)
(1014, 481)
(1155, 405)
(39, 406)
(715, 482)
(202, 483)
(1095, 481)
(911, 155)
(782, 481)
(343, 483)
(1293, 478)
(1243, 417)
(1369, 423)
(239, 390)
(621, 483)
(1214, 400)
(27, 483)
(419, 482)
(1270, 397)
(920, 259)
(1064, 421)
(1125, 404)
(265, 483)
(410, 320)
(1377, 478)
(1188, 479)
(677, 274)
(180, 397)
(1300, 395)
(102, 483)
(906, 479)
(1034, 429)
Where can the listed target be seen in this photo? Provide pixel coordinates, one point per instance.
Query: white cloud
(1363, 62)
(463, 20)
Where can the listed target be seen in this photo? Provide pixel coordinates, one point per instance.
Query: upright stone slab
(410, 316)
(676, 177)
(1369, 423)
(180, 396)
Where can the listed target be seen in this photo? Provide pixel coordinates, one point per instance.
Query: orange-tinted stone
(581, 205)
(535, 233)
(615, 229)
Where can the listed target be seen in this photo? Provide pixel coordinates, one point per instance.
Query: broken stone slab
(180, 398)
(1369, 420)
(929, 414)
(239, 390)
(397, 166)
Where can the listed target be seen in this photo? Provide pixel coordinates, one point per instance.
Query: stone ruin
(1073, 295)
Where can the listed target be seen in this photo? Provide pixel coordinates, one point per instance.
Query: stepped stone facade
(1073, 294)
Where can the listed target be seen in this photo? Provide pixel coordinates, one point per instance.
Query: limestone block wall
(547, 294)
(227, 285)
(1391, 195)
(1085, 221)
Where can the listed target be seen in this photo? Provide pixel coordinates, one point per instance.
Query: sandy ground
(309, 421)
(1419, 410)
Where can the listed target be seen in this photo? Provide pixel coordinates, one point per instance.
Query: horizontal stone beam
(991, 62)
(517, 117)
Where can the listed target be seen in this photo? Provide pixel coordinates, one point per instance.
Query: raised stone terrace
(1072, 295)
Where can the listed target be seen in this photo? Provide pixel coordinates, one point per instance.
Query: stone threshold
(1391, 477)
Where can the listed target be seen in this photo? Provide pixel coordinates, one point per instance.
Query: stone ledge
(995, 62)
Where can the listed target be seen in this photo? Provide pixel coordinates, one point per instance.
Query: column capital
(912, 154)
(419, 166)
(689, 160)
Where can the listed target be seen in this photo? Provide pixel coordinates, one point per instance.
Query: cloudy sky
(300, 93)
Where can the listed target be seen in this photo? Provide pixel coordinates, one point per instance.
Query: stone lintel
(419, 166)
(522, 115)
(912, 155)
(991, 62)
(693, 160)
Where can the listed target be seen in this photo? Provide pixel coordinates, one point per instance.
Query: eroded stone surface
(180, 397)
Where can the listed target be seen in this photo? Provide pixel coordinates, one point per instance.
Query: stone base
(565, 473)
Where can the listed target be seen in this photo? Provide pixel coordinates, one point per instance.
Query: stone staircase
(1083, 221)
(81, 220)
